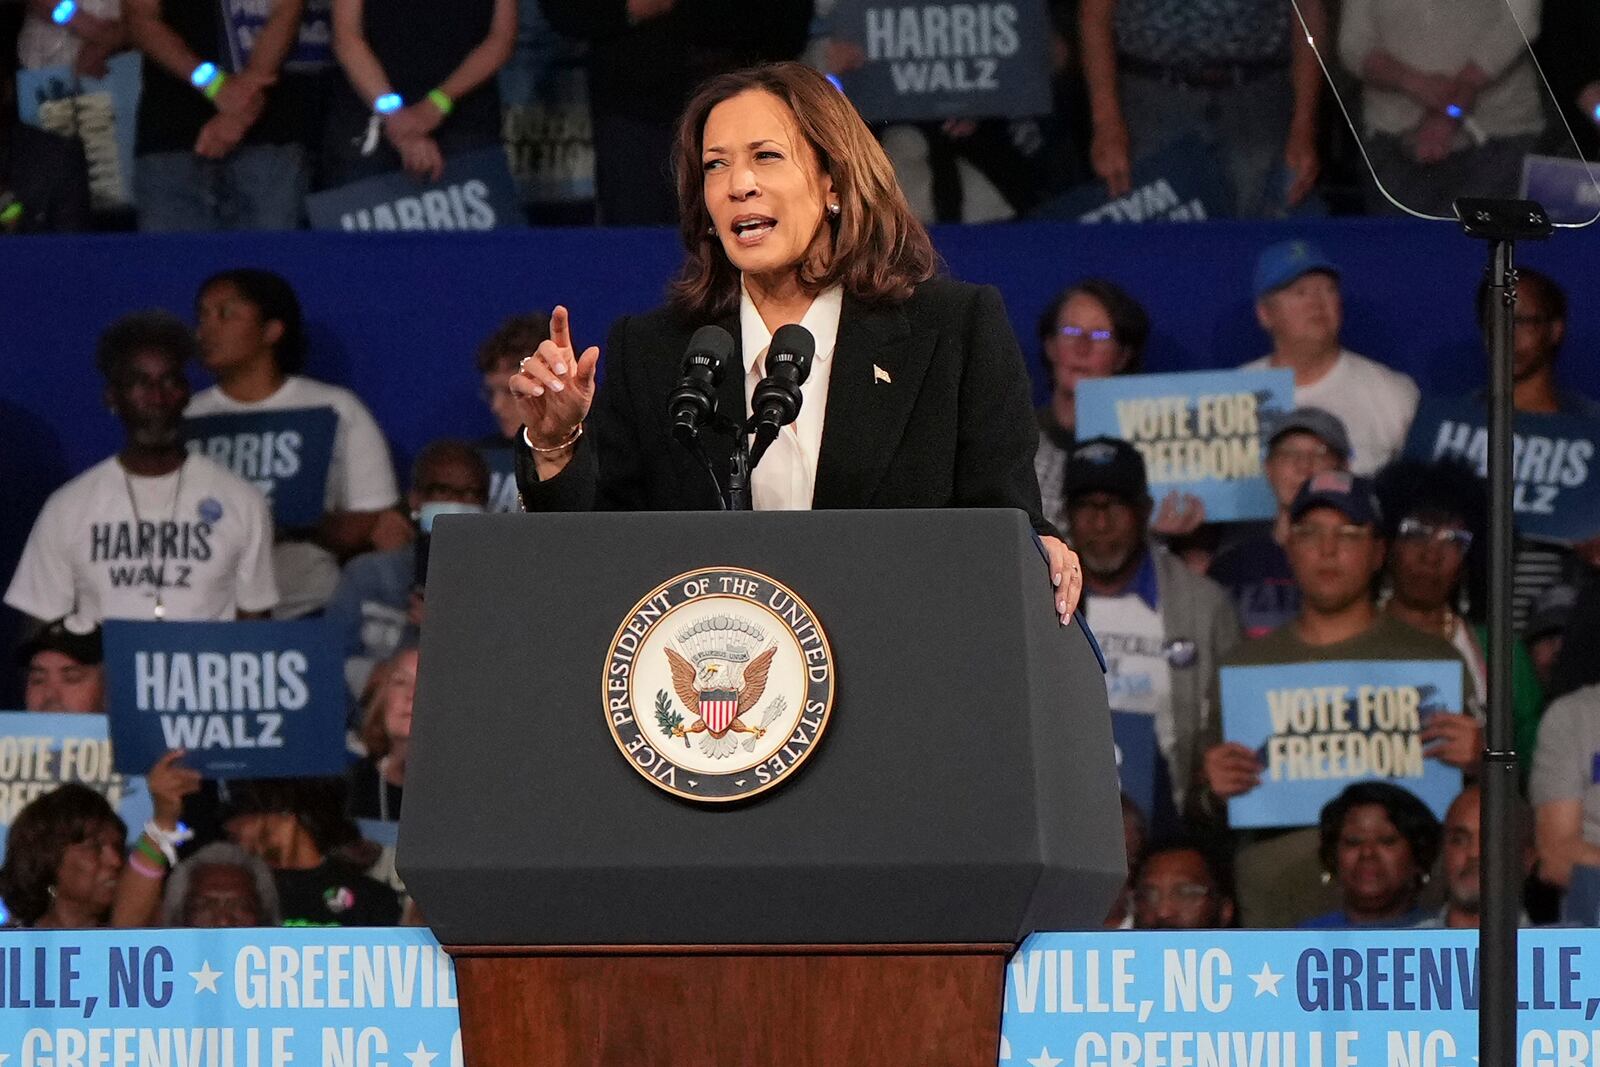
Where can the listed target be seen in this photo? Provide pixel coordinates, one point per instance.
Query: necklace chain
(160, 557)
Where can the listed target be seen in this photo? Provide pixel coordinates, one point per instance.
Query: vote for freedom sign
(246, 700)
(1319, 727)
(1203, 433)
(42, 750)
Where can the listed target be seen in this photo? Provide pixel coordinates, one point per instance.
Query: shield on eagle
(718, 707)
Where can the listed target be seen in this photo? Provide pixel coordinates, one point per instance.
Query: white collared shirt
(787, 476)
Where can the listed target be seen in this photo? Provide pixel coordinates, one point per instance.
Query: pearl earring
(833, 210)
(711, 231)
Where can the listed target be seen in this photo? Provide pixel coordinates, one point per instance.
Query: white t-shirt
(1375, 403)
(1133, 636)
(202, 535)
(361, 474)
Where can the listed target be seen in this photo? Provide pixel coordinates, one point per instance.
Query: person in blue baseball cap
(1298, 304)
(1336, 548)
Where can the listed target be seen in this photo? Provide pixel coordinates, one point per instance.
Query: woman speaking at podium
(790, 212)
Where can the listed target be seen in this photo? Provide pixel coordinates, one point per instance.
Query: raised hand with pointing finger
(553, 389)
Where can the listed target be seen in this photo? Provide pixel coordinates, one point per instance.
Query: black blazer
(953, 427)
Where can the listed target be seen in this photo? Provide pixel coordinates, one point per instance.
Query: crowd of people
(1370, 556)
(240, 116)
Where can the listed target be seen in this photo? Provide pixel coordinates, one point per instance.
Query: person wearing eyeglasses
(1254, 568)
(1436, 578)
(1093, 329)
(1182, 885)
(1336, 550)
(1539, 330)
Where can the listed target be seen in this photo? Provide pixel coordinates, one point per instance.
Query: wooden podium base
(731, 1005)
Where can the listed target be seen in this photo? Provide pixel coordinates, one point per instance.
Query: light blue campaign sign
(98, 111)
(41, 750)
(227, 998)
(247, 700)
(285, 454)
(475, 193)
(1318, 727)
(1202, 432)
(932, 60)
(1390, 998)
(1555, 490)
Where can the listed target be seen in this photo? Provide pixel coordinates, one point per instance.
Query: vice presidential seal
(718, 684)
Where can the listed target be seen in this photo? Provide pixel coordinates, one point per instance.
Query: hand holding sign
(1230, 769)
(169, 782)
(1453, 739)
(554, 387)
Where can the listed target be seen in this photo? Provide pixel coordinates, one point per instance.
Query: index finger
(560, 329)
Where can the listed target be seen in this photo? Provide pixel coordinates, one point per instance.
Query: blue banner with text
(1389, 998)
(1318, 727)
(1203, 433)
(246, 700)
(365, 998)
(285, 454)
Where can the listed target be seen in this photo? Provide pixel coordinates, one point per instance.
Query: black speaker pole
(1501, 223)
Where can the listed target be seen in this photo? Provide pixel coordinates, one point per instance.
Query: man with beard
(1460, 860)
(153, 532)
(1162, 627)
(1182, 885)
(1336, 549)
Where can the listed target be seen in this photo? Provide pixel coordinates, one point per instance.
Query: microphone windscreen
(796, 341)
(711, 341)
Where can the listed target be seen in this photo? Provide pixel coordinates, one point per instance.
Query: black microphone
(694, 401)
(776, 402)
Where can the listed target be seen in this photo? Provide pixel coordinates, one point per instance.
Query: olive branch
(666, 717)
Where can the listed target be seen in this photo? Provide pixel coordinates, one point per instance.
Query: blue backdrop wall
(397, 317)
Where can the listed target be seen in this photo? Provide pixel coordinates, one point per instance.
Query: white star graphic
(422, 1057)
(4, 1056)
(1044, 1059)
(205, 979)
(1266, 981)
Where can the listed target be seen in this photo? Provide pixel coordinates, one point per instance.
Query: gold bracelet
(571, 440)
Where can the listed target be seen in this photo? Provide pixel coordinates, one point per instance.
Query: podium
(862, 908)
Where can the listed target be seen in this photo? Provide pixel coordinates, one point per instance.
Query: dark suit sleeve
(607, 470)
(997, 435)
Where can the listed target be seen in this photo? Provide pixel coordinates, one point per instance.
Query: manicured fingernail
(537, 391)
(1055, 579)
(1061, 607)
(557, 386)
(561, 368)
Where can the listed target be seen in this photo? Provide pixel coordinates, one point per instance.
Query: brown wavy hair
(880, 251)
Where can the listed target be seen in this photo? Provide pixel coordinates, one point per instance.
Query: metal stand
(1501, 223)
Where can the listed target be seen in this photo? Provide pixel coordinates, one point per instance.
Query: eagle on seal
(693, 687)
